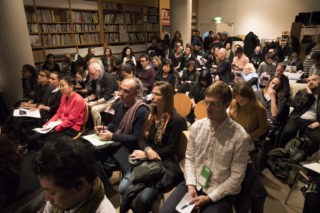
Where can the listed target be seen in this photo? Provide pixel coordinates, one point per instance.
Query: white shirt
(311, 114)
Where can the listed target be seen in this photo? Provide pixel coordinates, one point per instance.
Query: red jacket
(71, 112)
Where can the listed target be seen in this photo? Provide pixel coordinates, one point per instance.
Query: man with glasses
(128, 122)
(146, 73)
(103, 86)
(216, 157)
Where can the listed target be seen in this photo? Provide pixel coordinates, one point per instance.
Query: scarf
(160, 128)
(93, 201)
(125, 126)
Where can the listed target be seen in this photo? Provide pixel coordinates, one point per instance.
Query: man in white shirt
(216, 157)
(306, 115)
(67, 172)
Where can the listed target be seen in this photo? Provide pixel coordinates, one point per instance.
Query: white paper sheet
(184, 205)
(314, 166)
(95, 141)
(48, 128)
(26, 113)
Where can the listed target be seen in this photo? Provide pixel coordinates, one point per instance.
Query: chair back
(85, 120)
(200, 110)
(182, 104)
(181, 150)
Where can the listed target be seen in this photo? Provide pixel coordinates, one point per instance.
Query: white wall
(266, 18)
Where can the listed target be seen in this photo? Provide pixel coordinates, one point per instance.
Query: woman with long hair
(166, 73)
(158, 143)
(50, 64)
(246, 110)
(107, 58)
(128, 55)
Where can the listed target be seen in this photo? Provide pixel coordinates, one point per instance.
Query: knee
(148, 196)
(94, 109)
(124, 184)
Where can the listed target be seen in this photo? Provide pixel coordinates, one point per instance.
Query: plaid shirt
(224, 151)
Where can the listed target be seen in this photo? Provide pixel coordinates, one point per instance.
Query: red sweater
(70, 112)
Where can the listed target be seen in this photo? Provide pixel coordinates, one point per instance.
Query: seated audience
(213, 173)
(315, 68)
(223, 71)
(246, 110)
(128, 122)
(177, 59)
(229, 54)
(305, 115)
(176, 38)
(128, 55)
(50, 64)
(249, 75)
(295, 61)
(103, 85)
(167, 74)
(83, 79)
(156, 64)
(211, 60)
(67, 171)
(281, 67)
(196, 93)
(266, 69)
(207, 41)
(90, 54)
(153, 50)
(128, 71)
(146, 74)
(273, 99)
(187, 56)
(42, 92)
(314, 47)
(159, 143)
(189, 76)
(20, 190)
(29, 81)
(68, 65)
(71, 109)
(240, 60)
(107, 58)
(256, 57)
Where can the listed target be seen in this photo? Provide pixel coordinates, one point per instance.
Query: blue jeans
(146, 197)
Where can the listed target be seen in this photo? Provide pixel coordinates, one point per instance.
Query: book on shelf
(57, 39)
(50, 15)
(112, 6)
(133, 18)
(111, 18)
(84, 17)
(38, 56)
(31, 16)
(112, 37)
(90, 38)
(55, 28)
(35, 41)
(33, 28)
(111, 27)
(153, 11)
(85, 27)
(137, 27)
(151, 27)
(136, 37)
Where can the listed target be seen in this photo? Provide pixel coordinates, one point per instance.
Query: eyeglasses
(42, 75)
(211, 103)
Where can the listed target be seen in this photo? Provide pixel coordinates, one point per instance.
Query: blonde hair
(251, 67)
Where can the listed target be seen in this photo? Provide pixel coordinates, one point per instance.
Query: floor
(277, 193)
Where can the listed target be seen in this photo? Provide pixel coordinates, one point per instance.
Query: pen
(185, 206)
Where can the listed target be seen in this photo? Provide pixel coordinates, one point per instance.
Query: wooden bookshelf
(74, 24)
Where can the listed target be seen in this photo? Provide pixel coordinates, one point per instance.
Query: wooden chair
(182, 104)
(200, 110)
(85, 119)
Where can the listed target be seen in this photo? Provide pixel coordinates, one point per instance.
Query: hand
(192, 191)
(138, 154)
(23, 104)
(309, 90)
(116, 93)
(271, 92)
(105, 135)
(152, 155)
(217, 78)
(314, 125)
(34, 109)
(200, 201)
(92, 103)
(44, 126)
(99, 129)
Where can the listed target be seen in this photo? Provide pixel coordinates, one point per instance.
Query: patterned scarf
(125, 126)
(161, 128)
(93, 201)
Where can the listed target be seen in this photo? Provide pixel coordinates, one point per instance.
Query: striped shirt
(224, 151)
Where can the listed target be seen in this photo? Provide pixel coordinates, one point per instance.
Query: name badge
(204, 176)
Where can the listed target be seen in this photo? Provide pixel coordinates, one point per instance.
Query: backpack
(284, 162)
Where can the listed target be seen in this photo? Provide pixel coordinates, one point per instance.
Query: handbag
(146, 171)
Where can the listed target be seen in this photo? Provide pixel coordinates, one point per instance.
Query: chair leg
(292, 188)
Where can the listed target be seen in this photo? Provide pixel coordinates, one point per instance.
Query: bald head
(222, 53)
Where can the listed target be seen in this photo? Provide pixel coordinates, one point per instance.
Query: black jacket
(224, 71)
(108, 85)
(302, 103)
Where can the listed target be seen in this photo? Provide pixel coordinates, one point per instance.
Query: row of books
(57, 39)
(151, 35)
(111, 37)
(152, 19)
(111, 27)
(152, 11)
(135, 27)
(112, 6)
(31, 16)
(84, 17)
(55, 28)
(136, 36)
(133, 18)
(33, 28)
(85, 27)
(151, 27)
(47, 15)
(114, 18)
(87, 38)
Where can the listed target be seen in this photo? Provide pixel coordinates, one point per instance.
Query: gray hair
(97, 66)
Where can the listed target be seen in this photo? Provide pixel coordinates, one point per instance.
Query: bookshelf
(73, 25)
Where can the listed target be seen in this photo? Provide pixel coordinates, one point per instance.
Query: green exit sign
(217, 18)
